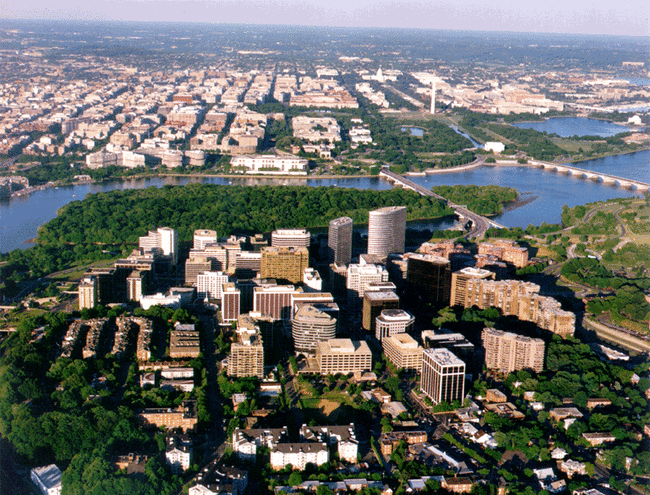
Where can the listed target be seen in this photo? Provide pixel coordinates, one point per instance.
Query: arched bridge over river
(591, 175)
(479, 223)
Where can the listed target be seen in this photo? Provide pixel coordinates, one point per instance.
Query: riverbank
(515, 163)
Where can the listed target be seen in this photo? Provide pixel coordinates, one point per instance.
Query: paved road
(480, 224)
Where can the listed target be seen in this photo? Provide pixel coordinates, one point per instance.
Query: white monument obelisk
(433, 97)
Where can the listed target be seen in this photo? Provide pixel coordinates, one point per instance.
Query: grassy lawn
(74, 274)
(572, 146)
(333, 407)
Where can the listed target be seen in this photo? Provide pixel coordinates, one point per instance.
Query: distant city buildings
(269, 164)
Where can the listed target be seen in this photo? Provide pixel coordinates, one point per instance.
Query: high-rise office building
(295, 238)
(247, 352)
(508, 352)
(391, 322)
(443, 376)
(309, 326)
(136, 284)
(204, 237)
(323, 300)
(273, 300)
(455, 342)
(374, 302)
(194, 266)
(230, 302)
(88, 292)
(210, 285)
(459, 284)
(386, 230)
(216, 254)
(403, 351)
(162, 241)
(339, 240)
(286, 263)
(429, 277)
(359, 275)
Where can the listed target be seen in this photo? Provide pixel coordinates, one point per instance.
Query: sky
(607, 17)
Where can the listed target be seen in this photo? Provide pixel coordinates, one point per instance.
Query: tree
(445, 315)
(295, 478)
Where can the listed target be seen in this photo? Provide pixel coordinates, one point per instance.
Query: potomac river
(543, 193)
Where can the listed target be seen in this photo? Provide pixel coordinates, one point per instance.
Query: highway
(480, 224)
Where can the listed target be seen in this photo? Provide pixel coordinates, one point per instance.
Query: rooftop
(444, 357)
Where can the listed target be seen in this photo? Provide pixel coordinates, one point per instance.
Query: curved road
(480, 224)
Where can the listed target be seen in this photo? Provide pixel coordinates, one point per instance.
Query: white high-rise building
(164, 241)
(204, 237)
(391, 322)
(359, 275)
(210, 285)
(387, 230)
(433, 97)
(290, 238)
(443, 376)
(309, 326)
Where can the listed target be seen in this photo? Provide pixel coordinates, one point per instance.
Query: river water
(546, 193)
(571, 126)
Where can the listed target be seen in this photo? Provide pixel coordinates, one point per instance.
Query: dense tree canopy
(484, 200)
(122, 216)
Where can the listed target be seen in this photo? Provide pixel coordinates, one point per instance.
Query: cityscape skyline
(555, 17)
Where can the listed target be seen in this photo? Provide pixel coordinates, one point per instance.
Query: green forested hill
(121, 216)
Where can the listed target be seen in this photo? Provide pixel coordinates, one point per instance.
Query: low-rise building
(47, 479)
(495, 396)
(388, 441)
(215, 479)
(246, 441)
(571, 467)
(184, 341)
(178, 452)
(343, 437)
(299, 455)
(561, 413)
(184, 416)
(269, 164)
(599, 438)
(457, 485)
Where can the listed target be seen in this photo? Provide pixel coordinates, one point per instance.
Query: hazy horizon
(598, 17)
